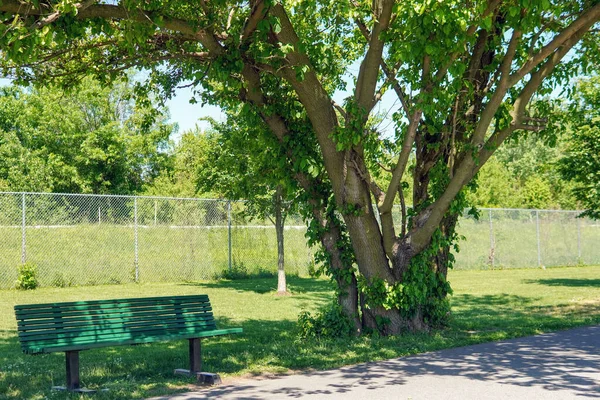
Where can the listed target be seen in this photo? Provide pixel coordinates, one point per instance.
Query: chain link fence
(518, 238)
(93, 239)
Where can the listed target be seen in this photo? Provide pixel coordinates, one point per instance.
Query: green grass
(104, 254)
(487, 305)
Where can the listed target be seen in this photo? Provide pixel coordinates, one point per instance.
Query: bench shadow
(565, 282)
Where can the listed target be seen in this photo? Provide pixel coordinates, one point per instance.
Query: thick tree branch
(487, 115)
(585, 21)
(348, 186)
(259, 11)
(118, 12)
(430, 219)
(55, 15)
(398, 173)
(390, 73)
(403, 211)
(520, 104)
(368, 74)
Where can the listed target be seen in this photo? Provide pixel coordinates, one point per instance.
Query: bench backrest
(45, 328)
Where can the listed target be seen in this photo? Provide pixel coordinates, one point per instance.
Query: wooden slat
(99, 323)
(115, 307)
(49, 334)
(163, 338)
(110, 322)
(90, 314)
(91, 337)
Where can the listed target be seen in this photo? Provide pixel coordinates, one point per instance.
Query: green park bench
(75, 326)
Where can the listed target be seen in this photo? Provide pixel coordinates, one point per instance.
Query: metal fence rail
(95, 239)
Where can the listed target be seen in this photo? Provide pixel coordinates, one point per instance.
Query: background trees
(92, 140)
(581, 164)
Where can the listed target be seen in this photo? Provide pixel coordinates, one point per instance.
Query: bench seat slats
(206, 325)
(100, 314)
(118, 335)
(54, 327)
(114, 328)
(108, 323)
(141, 340)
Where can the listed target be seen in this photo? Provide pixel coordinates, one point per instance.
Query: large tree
(464, 73)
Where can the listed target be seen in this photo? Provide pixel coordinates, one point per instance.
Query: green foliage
(239, 271)
(525, 173)
(328, 323)
(91, 140)
(581, 163)
(61, 281)
(27, 277)
(189, 158)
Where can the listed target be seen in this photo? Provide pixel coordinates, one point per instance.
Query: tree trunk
(279, 228)
(341, 269)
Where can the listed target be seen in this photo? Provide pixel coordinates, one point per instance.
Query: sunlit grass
(487, 305)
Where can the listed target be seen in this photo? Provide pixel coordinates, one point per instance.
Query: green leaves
(92, 140)
(581, 163)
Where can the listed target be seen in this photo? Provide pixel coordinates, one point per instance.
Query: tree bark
(279, 229)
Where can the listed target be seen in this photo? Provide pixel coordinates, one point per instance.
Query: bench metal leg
(195, 355)
(205, 378)
(72, 369)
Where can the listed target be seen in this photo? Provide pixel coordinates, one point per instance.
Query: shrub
(329, 322)
(26, 277)
(240, 271)
(237, 271)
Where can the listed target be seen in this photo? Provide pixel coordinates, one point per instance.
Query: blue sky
(187, 115)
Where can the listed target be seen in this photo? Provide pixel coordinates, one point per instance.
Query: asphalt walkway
(563, 365)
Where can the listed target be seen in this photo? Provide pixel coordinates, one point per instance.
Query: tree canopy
(464, 73)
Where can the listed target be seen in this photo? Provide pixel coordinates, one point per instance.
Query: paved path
(563, 365)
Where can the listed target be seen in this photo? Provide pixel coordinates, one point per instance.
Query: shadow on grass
(272, 346)
(565, 282)
(296, 285)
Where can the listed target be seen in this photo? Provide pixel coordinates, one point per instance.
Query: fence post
(229, 230)
(492, 242)
(537, 230)
(135, 240)
(155, 211)
(23, 236)
(578, 239)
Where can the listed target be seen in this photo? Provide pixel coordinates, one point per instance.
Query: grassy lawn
(487, 305)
